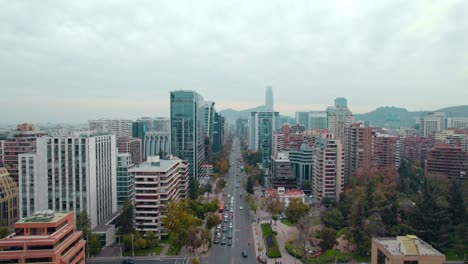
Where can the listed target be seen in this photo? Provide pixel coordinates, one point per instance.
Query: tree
(83, 223)
(139, 241)
(250, 185)
(151, 239)
(306, 231)
(212, 220)
(94, 245)
(194, 188)
(4, 231)
(274, 205)
(328, 238)
(179, 220)
(333, 218)
(296, 209)
(125, 220)
(455, 201)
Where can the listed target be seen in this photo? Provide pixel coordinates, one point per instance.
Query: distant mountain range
(380, 117)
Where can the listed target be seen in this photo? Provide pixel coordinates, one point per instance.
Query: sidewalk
(284, 234)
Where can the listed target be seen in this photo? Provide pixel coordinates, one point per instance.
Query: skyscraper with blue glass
(187, 127)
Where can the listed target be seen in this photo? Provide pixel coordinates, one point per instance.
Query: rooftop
(407, 246)
(47, 216)
(155, 164)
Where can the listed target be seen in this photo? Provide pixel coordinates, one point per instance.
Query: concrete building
(359, 150)
(446, 161)
(433, 122)
(132, 146)
(219, 132)
(278, 143)
(139, 130)
(327, 167)
(280, 172)
(21, 140)
(44, 237)
(75, 173)
(157, 181)
(262, 126)
(416, 147)
(286, 195)
(302, 118)
(125, 180)
(157, 143)
(187, 126)
(119, 127)
(404, 250)
(8, 198)
(269, 105)
(208, 170)
(339, 117)
(457, 122)
(386, 151)
(301, 164)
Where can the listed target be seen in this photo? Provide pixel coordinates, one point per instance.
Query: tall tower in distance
(269, 99)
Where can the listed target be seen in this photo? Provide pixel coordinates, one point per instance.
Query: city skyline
(85, 58)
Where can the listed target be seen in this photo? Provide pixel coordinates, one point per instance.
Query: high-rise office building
(302, 118)
(132, 146)
(125, 180)
(157, 143)
(139, 130)
(317, 120)
(21, 140)
(219, 131)
(187, 126)
(269, 99)
(161, 124)
(119, 127)
(44, 237)
(457, 122)
(339, 117)
(262, 126)
(8, 198)
(327, 167)
(157, 181)
(431, 123)
(73, 173)
(301, 164)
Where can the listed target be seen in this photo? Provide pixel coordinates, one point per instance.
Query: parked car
(244, 254)
(229, 243)
(216, 240)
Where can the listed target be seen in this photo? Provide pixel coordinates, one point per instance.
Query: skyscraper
(262, 125)
(339, 117)
(187, 126)
(8, 198)
(269, 99)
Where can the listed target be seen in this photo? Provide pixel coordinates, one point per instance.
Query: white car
(228, 195)
(230, 224)
(240, 207)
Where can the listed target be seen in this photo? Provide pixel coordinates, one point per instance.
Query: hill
(386, 116)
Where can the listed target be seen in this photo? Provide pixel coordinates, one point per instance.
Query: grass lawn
(329, 257)
(287, 222)
(272, 252)
(453, 255)
(143, 252)
(173, 251)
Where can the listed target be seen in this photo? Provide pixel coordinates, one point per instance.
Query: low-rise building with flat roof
(404, 250)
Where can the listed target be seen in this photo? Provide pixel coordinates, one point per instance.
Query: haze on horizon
(79, 60)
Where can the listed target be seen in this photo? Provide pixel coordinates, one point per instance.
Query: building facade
(359, 150)
(187, 126)
(119, 127)
(76, 173)
(161, 124)
(339, 117)
(280, 172)
(131, 145)
(327, 167)
(278, 143)
(8, 198)
(457, 122)
(125, 180)
(317, 120)
(44, 237)
(157, 181)
(262, 126)
(157, 143)
(301, 165)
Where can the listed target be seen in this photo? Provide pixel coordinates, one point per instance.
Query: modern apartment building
(433, 122)
(339, 117)
(21, 140)
(132, 146)
(457, 122)
(157, 143)
(386, 151)
(301, 164)
(44, 237)
(327, 167)
(359, 150)
(187, 126)
(74, 173)
(157, 181)
(262, 126)
(278, 143)
(404, 250)
(317, 120)
(125, 180)
(446, 161)
(416, 147)
(302, 118)
(8, 198)
(280, 172)
(119, 127)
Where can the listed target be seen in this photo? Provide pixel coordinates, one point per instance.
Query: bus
(221, 206)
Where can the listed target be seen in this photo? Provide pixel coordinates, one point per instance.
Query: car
(232, 210)
(223, 241)
(230, 235)
(218, 226)
(128, 261)
(228, 195)
(229, 243)
(244, 254)
(218, 234)
(216, 240)
(241, 207)
(237, 186)
(224, 229)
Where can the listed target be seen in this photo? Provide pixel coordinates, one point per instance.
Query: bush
(293, 250)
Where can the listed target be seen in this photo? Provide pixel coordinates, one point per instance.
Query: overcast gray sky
(77, 60)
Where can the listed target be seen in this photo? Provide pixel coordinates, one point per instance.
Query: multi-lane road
(242, 221)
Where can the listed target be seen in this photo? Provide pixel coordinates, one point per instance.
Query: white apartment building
(278, 143)
(119, 127)
(457, 122)
(157, 181)
(327, 167)
(76, 173)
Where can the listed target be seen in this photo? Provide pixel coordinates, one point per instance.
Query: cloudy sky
(77, 60)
